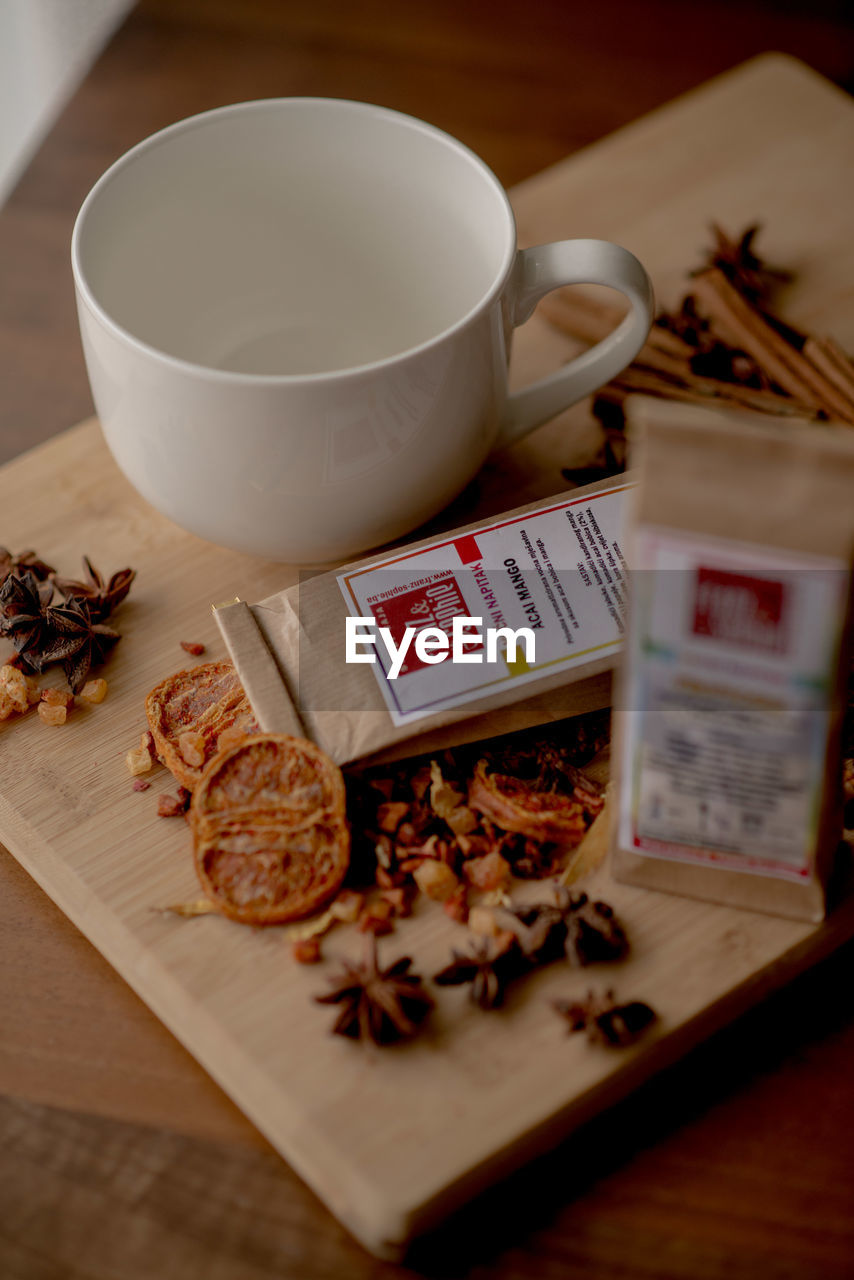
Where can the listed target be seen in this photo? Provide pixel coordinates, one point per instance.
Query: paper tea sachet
(543, 588)
(732, 689)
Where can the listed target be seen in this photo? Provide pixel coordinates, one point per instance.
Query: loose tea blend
(555, 568)
(732, 693)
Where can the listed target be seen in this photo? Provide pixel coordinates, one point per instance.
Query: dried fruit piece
(399, 898)
(487, 873)
(436, 880)
(52, 714)
(449, 804)
(138, 761)
(7, 706)
(483, 922)
(94, 691)
(57, 697)
(20, 690)
(196, 650)
(377, 918)
(515, 805)
(457, 907)
(390, 815)
(271, 841)
(347, 907)
(191, 745)
(231, 737)
(173, 806)
(206, 700)
(307, 951)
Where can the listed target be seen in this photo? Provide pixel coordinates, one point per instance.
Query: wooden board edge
(644, 1062)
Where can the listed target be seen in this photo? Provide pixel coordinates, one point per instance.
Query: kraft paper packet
(732, 685)
(289, 653)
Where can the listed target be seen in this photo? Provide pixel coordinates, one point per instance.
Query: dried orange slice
(270, 836)
(515, 805)
(196, 706)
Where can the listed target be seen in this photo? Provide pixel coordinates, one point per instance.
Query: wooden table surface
(119, 1158)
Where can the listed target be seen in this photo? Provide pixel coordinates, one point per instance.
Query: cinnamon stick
(829, 359)
(589, 320)
(706, 391)
(742, 326)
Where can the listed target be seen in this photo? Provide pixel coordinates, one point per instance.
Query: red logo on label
(741, 609)
(434, 605)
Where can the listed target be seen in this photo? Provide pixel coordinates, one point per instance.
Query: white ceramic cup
(296, 316)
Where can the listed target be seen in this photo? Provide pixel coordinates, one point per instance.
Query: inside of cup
(293, 236)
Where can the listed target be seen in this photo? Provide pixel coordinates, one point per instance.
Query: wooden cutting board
(393, 1139)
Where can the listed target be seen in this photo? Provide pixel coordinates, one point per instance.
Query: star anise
(605, 1021)
(23, 561)
(593, 932)
(540, 931)
(24, 608)
(585, 932)
(686, 323)
(102, 596)
(383, 1005)
(489, 966)
(87, 643)
(752, 278)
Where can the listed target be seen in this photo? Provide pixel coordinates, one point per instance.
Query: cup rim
(87, 297)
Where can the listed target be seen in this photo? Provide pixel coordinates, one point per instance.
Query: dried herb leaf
(198, 907)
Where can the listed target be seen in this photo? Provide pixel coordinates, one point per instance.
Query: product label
(556, 576)
(730, 669)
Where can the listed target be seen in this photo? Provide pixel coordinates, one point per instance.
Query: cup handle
(551, 266)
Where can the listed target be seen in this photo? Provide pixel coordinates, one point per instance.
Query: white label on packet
(559, 571)
(730, 667)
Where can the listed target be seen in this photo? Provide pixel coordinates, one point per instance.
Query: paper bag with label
(553, 569)
(731, 693)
